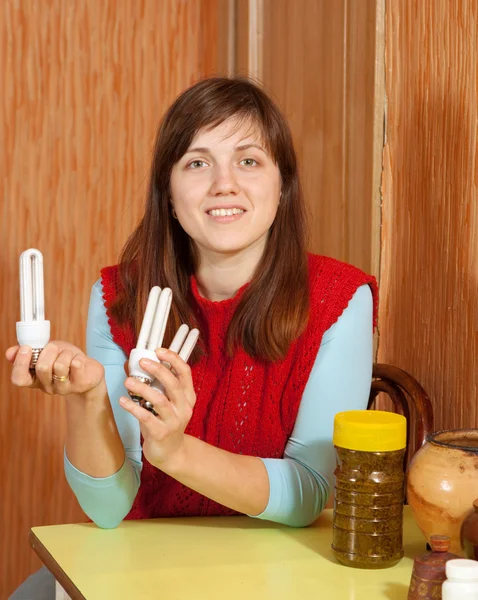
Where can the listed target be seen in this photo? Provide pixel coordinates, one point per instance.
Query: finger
(145, 417)
(126, 367)
(82, 371)
(159, 402)
(61, 369)
(182, 371)
(62, 364)
(11, 353)
(64, 346)
(21, 375)
(44, 366)
(172, 386)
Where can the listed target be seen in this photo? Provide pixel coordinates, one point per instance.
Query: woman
(286, 337)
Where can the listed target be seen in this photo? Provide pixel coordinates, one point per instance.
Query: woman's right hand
(83, 374)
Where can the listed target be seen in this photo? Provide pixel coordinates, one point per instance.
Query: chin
(232, 242)
(228, 246)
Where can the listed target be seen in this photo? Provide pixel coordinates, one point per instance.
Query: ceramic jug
(442, 483)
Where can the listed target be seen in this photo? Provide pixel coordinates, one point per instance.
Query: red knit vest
(244, 405)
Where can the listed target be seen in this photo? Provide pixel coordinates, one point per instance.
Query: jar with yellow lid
(369, 488)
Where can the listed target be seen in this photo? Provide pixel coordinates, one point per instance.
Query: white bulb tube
(32, 329)
(178, 340)
(189, 344)
(32, 295)
(183, 343)
(160, 320)
(148, 318)
(26, 287)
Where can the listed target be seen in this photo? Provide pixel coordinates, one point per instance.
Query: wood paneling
(83, 85)
(429, 264)
(323, 63)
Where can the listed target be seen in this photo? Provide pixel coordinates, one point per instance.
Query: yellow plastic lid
(370, 430)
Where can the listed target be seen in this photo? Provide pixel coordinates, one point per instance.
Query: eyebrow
(236, 149)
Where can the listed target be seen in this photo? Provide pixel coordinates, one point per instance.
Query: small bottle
(428, 572)
(369, 488)
(462, 580)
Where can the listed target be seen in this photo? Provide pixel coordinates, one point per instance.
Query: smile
(225, 212)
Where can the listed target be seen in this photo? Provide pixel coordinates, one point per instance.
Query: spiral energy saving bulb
(151, 337)
(32, 330)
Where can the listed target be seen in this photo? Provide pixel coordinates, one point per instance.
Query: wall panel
(84, 85)
(429, 261)
(323, 63)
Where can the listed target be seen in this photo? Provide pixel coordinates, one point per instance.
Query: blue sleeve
(107, 500)
(340, 380)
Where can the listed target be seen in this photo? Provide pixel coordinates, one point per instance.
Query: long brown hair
(275, 306)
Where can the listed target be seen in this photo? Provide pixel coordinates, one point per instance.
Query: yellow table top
(216, 558)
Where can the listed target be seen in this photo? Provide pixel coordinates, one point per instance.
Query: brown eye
(196, 164)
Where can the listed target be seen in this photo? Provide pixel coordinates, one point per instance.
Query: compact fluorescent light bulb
(32, 329)
(151, 337)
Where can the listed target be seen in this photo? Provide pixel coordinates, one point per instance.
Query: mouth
(226, 215)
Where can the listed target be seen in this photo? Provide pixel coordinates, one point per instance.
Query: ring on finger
(60, 377)
(148, 406)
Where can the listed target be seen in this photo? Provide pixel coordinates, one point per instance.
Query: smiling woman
(286, 336)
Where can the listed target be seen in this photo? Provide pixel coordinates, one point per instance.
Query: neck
(220, 276)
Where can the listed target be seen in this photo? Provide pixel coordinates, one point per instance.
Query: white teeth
(225, 212)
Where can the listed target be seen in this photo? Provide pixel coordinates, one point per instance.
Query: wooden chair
(409, 399)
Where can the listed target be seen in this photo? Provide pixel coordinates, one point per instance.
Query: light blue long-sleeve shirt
(299, 482)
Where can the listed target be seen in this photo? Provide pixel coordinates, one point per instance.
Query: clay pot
(428, 572)
(469, 533)
(442, 483)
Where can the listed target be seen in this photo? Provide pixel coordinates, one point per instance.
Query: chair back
(408, 398)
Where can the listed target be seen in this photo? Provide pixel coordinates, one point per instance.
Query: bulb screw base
(139, 399)
(35, 354)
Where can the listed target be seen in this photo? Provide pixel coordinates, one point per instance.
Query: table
(214, 558)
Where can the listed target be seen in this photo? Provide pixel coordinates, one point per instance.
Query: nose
(224, 181)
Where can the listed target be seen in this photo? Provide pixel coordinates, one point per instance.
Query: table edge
(51, 564)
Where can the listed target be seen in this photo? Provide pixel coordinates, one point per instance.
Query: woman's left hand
(163, 434)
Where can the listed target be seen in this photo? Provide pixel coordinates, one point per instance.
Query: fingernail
(122, 401)
(24, 350)
(146, 362)
(162, 350)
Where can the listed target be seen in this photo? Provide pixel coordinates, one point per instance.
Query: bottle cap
(370, 431)
(462, 569)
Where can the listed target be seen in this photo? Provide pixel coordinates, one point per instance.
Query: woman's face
(226, 189)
